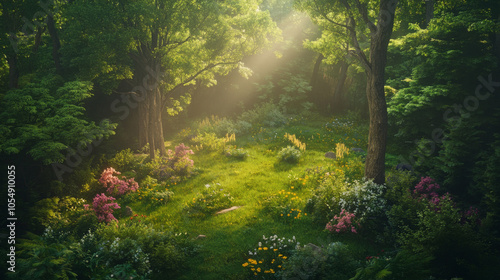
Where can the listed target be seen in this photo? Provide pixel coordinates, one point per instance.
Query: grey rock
(357, 150)
(330, 155)
(127, 212)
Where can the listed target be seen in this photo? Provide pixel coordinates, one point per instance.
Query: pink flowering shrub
(344, 222)
(103, 207)
(116, 186)
(427, 189)
(176, 165)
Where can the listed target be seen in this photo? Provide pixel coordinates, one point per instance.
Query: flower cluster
(344, 222)
(104, 207)
(116, 186)
(296, 142)
(269, 256)
(362, 198)
(176, 165)
(426, 189)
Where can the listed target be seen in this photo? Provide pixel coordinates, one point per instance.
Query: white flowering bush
(335, 194)
(363, 198)
(266, 261)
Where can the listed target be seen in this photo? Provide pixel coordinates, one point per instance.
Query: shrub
(268, 258)
(289, 154)
(424, 221)
(175, 166)
(344, 222)
(123, 160)
(284, 206)
(210, 142)
(240, 154)
(104, 207)
(405, 265)
(133, 249)
(209, 201)
(334, 262)
(266, 114)
(363, 198)
(40, 258)
(116, 186)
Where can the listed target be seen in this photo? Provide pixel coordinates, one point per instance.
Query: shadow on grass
(281, 166)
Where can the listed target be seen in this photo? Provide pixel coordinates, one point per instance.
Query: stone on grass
(357, 150)
(227, 210)
(330, 155)
(127, 212)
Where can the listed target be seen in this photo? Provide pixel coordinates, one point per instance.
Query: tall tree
(164, 45)
(352, 18)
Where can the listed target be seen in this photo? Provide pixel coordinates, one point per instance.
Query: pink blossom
(342, 223)
(116, 186)
(104, 207)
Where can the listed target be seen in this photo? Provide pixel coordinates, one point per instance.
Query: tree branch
(363, 10)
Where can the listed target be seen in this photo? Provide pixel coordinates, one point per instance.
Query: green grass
(231, 235)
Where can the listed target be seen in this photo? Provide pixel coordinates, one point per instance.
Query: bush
(289, 154)
(210, 142)
(133, 249)
(405, 265)
(104, 207)
(266, 261)
(116, 186)
(425, 221)
(240, 154)
(123, 160)
(175, 166)
(40, 258)
(363, 198)
(284, 206)
(266, 114)
(311, 262)
(209, 201)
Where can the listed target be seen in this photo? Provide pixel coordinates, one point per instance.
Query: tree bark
(56, 44)
(377, 137)
(13, 70)
(429, 11)
(338, 92)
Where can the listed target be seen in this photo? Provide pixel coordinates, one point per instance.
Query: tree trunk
(429, 11)
(160, 141)
(13, 70)
(151, 125)
(377, 137)
(338, 93)
(56, 44)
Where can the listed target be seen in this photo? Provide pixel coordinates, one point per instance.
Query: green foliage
(152, 192)
(237, 153)
(335, 262)
(123, 160)
(267, 260)
(209, 142)
(62, 214)
(405, 265)
(210, 200)
(289, 154)
(264, 115)
(132, 248)
(335, 194)
(46, 117)
(431, 72)
(42, 259)
(284, 207)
